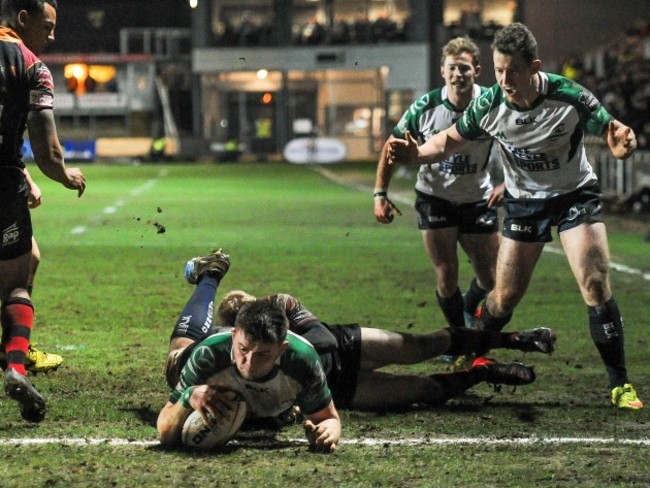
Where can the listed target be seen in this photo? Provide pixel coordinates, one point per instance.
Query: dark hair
(10, 8)
(516, 38)
(263, 321)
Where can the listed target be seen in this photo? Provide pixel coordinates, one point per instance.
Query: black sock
(456, 383)
(606, 326)
(489, 322)
(452, 308)
(475, 295)
(472, 341)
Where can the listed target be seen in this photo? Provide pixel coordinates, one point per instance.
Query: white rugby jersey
(464, 177)
(543, 146)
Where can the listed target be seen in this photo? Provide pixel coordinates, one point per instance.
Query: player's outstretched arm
(438, 148)
(621, 139)
(323, 429)
(48, 153)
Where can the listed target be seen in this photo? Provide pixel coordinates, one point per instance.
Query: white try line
(364, 441)
(622, 268)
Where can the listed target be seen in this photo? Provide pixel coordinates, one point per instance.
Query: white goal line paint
(409, 201)
(425, 441)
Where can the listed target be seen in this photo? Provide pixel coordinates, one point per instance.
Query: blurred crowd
(257, 31)
(360, 30)
(619, 76)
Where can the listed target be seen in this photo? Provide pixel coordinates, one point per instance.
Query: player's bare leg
(587, 250)
(514, 270)
(441, 247)
(482, 251)
(380, 347)
(384, 391)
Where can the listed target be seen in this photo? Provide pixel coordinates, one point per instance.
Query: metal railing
(619, 178)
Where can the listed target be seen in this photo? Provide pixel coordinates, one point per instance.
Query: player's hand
(402, 150)
(495, 199)
(385, 210)
(35, 195)
(621, 140)
(211, 402)
(75, 180)
(321, 438)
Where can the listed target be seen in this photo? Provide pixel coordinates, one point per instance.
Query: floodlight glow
(262, 74)
(194, 3)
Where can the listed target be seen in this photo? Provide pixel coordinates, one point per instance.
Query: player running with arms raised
(539, 120)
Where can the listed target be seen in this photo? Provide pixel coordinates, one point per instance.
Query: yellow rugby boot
(38, 361)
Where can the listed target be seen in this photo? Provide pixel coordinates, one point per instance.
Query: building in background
(254, 74)
(345, 69)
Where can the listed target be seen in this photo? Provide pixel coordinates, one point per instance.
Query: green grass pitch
(110, 287)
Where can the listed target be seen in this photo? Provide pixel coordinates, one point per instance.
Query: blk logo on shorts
(10, 235)
(437, 218)
(527, 229)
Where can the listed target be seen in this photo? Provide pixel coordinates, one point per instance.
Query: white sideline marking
(409, 201)
(111, 209)
(426, 441)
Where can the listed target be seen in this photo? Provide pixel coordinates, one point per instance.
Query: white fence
(618, 177)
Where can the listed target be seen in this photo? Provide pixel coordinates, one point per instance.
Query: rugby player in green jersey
(278, 356)
(539, 120)
(270, 367)
(455, 198)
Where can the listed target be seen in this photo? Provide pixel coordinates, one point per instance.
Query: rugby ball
(198, 435)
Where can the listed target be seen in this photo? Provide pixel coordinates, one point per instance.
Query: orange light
(266, 98)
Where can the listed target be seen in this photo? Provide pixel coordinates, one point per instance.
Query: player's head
(259, 338)
(514, 52)
(516, 39)
(33, 20)
(230, 305)
(460, 45)
(459, 65)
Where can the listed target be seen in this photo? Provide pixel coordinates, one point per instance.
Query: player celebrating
(539, 120)
(454, 198)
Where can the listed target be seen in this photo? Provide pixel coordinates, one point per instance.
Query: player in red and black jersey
(26, 102)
